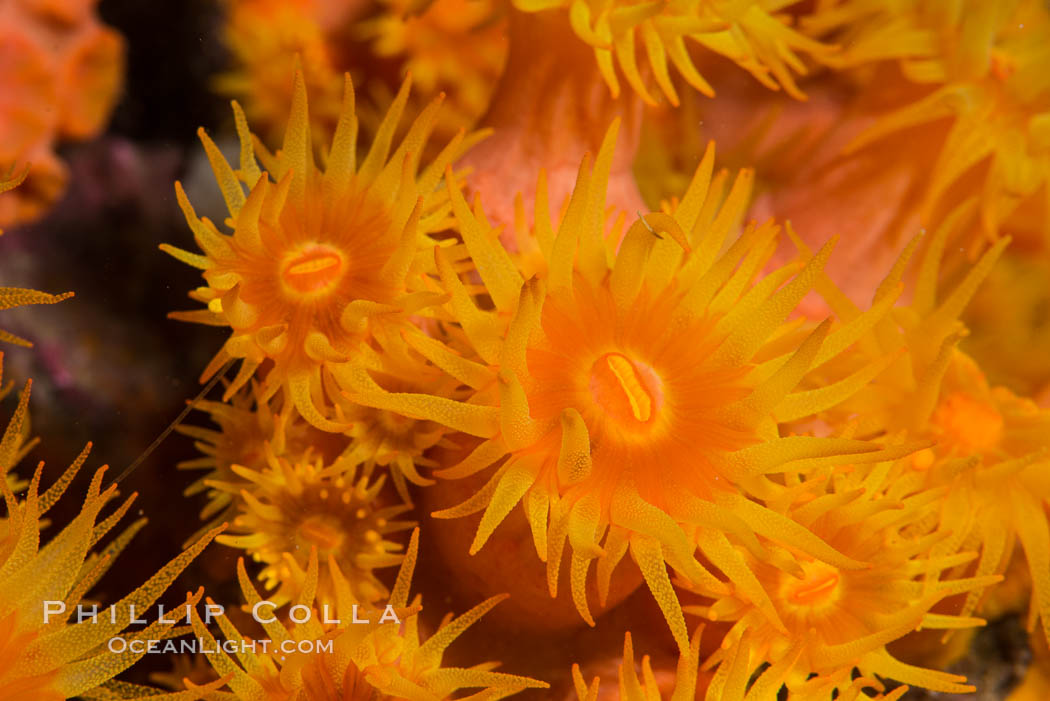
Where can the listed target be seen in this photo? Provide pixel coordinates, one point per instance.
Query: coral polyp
(246, 431)
(752, 34)
(385, 659)
(292, 511)
(632, 394)
(982, 95)
(836, 622)
(454, 48)
(47, 656)
(319, 262)
(992, 457)
(988, 447)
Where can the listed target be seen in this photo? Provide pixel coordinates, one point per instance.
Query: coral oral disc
(630, 392)
(319, 531)
(818, 587)
(314, 269)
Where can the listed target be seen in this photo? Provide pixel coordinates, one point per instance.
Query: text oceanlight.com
(195, 646)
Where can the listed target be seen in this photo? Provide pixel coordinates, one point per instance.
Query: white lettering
(53, 608)
(256, 615)
(299, 607)
(160, 615)
(389, 615)
(131, 612)
(213, 611)
(81, 616)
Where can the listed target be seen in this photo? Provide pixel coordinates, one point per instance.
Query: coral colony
(783, 422)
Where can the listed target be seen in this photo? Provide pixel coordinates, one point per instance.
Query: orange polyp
(628, 391)
(313, 269)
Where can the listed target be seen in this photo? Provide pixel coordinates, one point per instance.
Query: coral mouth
(630, 392)
(312, 270)
(819, 586)
(320, 531)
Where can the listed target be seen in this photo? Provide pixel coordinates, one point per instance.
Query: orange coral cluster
(61, 75)
(574, 395)
(982, 86)
(636, 385)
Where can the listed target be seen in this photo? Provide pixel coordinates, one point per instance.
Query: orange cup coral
(321, 265)
(627, 399)
(289, 508)
(247, 430)
(455, 47)
(749, 33)
(987, 459)
(984, 94)
(383, 659)
(832, 620)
